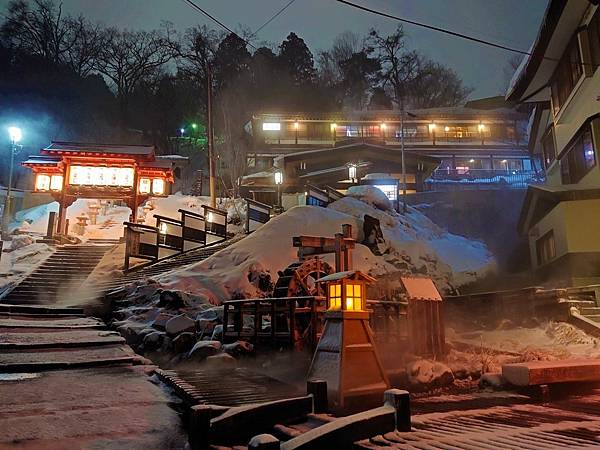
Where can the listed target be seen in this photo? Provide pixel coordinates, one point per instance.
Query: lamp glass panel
(335, 296)
(158, 186)
(42, 182)
(145, 185)
(353, 297)
(56, 182)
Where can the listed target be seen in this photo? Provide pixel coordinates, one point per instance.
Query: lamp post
(278, 182)
(15, 135)
(352, 173)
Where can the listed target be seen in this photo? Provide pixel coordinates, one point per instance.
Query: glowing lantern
(145, 185)
(162, 228)
(346, 291)
(431, 127)
(42, 182)
(125, 176)
(158, 186)
(56, 183)
(481, 127)
(352, 172)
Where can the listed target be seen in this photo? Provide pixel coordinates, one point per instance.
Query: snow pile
(109, 222)
(413, 244)
(20, 261)
(170, 206)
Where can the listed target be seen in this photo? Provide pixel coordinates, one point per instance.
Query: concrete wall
(490, 216)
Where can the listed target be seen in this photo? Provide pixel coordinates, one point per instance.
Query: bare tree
(128, 57)
(87, 42)
(38, 28)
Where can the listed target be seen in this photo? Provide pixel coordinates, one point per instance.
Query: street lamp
(278, 182)
(15, 135)
(182, 131)
(352, 173)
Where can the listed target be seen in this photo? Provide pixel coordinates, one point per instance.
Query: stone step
(590, 310)
(594, 317)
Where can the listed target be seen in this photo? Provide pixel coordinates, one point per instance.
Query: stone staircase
(180, 260)
(60, 276)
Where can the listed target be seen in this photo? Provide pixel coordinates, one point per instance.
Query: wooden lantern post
(346, 355)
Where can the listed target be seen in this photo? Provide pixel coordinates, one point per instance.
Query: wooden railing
(297, 321)
(170, 237)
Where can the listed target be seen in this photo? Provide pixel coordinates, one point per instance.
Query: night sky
(510, 22)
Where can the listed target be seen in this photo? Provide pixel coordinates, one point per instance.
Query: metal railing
(451, 179)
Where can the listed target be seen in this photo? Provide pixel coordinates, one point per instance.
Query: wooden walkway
(68, 382)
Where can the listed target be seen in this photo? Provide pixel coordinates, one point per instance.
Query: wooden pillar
(134, 200)
(347, 252)
(339, 262)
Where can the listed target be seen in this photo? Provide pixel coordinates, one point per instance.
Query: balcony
(459, 179)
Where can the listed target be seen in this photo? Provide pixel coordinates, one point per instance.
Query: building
(483, 142)
(561, 78)
(130, 173)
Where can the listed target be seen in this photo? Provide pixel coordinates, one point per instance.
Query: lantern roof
(355, 275)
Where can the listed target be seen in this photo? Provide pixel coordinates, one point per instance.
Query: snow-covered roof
(351, 274)
(559, 25)
(110, 149)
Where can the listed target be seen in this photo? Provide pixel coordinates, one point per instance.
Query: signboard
(101, 176)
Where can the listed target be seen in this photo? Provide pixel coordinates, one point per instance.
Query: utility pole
(209, 135)
(402, 152)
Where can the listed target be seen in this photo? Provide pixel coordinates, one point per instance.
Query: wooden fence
(171, 237)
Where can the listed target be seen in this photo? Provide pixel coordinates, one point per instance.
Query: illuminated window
(42, 182)
(271, 126)
(144, 185)
(56, 182)
(353, 297)
(390, 190)
(335, 296)
(158, 186)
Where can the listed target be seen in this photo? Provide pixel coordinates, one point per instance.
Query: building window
(594, 38)
(579, 158)
(546, 248)
(548, 147)
(567, 74)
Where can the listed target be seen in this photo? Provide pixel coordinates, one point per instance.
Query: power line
(273, 18)
(434, 28)
(217, 21)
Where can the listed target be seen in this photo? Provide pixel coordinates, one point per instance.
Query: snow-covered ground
(413, 244)
(23, 258)
(109, 223)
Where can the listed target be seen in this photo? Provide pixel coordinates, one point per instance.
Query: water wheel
(299, 278)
